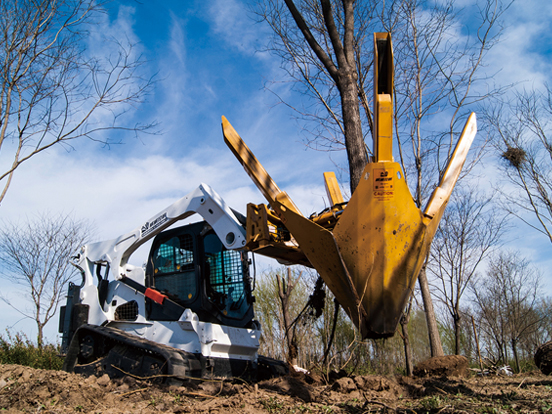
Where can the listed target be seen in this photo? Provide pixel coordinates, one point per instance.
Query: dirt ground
(28, 390)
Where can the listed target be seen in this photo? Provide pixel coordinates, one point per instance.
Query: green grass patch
(18, 349)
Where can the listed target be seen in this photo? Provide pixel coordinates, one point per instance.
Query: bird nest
(515, 156)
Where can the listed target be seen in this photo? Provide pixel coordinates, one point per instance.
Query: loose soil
(24, 389)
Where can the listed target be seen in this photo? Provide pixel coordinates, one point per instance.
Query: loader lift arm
(203, 200)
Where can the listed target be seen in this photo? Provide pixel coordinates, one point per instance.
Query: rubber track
(180, 364)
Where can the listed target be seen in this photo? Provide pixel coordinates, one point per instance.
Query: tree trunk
(457, 333)
(433, 330)
(354, 140)
(332, 334)
(516, 359)
(284, 292)
(39, 323)
(39, 336)
(342, 68)
(477, 344)
(406, 342)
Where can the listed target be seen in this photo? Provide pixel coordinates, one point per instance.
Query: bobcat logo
(150, 226)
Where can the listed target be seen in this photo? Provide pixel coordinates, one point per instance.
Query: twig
(132, 392)
(439, 389)
(143, 378)
(197, 394)
(244, 382)
(377, 402)
(221, 388)
(521, 383)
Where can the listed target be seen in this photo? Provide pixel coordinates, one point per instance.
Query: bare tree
(521, 130)
(508, 299)
(35, 255)
(267, 312)
(469, 231)
(285, 289)
(279, 296)
(319, 46)
(51, 90)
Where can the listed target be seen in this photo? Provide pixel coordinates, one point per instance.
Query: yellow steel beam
(442, 193)
(383, 97)
(384, 130)
(320, 247)
(332, 189)
(253, 167)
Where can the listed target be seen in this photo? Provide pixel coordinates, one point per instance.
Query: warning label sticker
(384, 185)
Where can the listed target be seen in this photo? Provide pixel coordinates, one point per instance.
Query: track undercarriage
(97, 350)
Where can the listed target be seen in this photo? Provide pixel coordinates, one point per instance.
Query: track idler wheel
(87, 348)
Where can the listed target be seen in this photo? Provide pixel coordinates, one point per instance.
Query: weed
(176, 397)
(431, 403)
(272, 405)
(18, 349)
(488, 410)
(79, 408)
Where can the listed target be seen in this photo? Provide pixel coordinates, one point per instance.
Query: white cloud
(177, 40)
(104, 36)
(523, 54)
(110, 190)
(232, 20)
(512, 61)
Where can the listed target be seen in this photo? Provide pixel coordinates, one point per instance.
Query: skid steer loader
(189, 311)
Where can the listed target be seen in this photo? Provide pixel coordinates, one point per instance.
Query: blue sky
(207, 61)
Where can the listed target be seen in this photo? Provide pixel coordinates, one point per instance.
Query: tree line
(502, 319)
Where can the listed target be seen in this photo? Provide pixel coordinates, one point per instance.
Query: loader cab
(191, 266)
